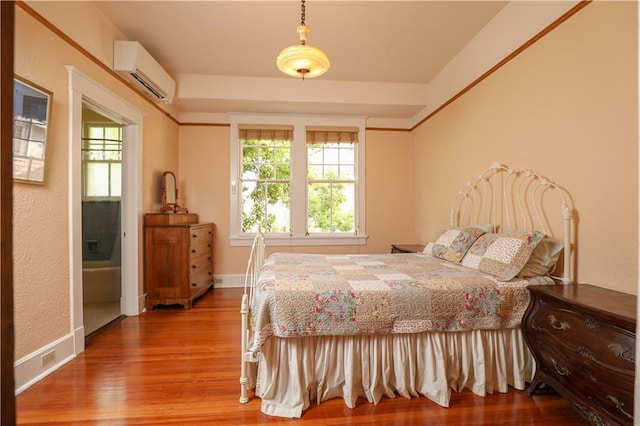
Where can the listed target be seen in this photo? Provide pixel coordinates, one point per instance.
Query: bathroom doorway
(86, 93)
(101, 221)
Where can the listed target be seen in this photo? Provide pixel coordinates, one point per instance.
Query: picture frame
(31, 116)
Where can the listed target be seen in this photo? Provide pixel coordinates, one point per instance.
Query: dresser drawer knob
(621, 352)
(193, 266)
(558, 325)
(195, 235)
(560, 369)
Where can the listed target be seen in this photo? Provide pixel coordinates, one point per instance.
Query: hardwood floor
(171, 366)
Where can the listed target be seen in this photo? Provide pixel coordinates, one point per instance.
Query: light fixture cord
(302, 14)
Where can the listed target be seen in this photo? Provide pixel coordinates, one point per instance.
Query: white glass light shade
(302, 60)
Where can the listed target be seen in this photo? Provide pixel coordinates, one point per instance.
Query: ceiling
(384, 54)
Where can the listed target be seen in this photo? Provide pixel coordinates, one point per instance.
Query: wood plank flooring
(171, 366)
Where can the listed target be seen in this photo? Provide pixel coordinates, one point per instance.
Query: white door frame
(84, 90)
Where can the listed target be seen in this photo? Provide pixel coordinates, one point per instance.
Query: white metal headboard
(515, 199)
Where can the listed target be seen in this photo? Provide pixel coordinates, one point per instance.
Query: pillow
(543, 259)
(486, 227)
(502, 255)
(452, 244)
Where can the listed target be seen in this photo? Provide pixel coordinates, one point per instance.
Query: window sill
(311, 240)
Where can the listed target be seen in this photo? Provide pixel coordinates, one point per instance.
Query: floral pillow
(452, 244)
(502, 255)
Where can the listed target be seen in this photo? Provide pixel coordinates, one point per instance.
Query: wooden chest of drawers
(583, 340)
(178, 263)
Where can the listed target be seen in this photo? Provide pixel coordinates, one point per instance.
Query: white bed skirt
(292, 371)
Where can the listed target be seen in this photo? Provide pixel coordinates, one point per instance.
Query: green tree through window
(298, 179)
(331, 187)
(266, 173)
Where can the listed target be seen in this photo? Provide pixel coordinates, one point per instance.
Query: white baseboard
(229, 281)
(33, 368)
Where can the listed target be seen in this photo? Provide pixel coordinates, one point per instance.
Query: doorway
(101, 219)
(87, 94)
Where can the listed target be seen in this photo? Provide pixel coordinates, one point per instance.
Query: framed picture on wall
(31, 115)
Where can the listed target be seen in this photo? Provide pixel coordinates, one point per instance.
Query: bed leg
(244, 380)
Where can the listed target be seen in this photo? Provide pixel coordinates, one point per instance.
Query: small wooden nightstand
(407, 248)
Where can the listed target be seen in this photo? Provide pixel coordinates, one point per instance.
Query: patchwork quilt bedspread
(354, 294)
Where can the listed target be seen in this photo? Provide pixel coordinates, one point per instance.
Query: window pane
(315, 172)
(96, 133)
(278, 213)
(347, 172)
(113, 133)
(252, 210)
(102, 161)
(314, 154)
(331, 172)
(266, 205)
(97, 182)
(116, 179)
(331, 155)
(266, 172)
(331, 207)
(330, 200)
(347, 155)
(249, 171)
(283, 172)
(344, 211)
(319, 201)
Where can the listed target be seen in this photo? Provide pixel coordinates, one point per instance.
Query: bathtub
(100, 281)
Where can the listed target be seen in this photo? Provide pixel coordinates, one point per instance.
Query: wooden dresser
(178, 259)
(583, 341)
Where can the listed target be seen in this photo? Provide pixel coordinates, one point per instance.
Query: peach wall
(41, 213)
(567, 108)
(204, 182)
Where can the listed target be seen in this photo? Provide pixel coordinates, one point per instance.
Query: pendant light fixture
(303, 61)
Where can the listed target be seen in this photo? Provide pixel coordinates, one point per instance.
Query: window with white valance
(299, 178)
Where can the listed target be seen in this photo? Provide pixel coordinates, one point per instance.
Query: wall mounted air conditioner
(138, 67)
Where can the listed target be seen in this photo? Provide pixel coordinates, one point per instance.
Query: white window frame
(86, 126)
(298, 189)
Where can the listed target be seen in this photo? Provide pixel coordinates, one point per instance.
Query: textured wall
(567, 108)
(41, 212)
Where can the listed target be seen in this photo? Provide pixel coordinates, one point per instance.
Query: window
(266, 174)
(300, 179)
(331, 181)
(102, 161)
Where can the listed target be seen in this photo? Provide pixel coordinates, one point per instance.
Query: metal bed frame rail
(256, 259)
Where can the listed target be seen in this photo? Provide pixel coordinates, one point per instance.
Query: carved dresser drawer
(583, 340)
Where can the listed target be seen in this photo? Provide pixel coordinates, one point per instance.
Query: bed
(369, 326)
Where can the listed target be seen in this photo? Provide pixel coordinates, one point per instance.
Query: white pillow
(543, 259)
